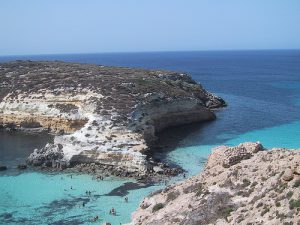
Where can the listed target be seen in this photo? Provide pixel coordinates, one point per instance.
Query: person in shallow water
(112, 211)
(126, 199)
(95, 218)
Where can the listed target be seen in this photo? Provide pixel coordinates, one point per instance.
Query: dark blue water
(262, 89)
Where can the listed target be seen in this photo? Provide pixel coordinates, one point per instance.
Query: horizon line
(158, 51)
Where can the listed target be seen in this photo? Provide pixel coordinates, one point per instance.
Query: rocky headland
(246, 184)
(102, 117)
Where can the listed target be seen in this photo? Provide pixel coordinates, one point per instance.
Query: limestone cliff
(240, 185)
(104, 115)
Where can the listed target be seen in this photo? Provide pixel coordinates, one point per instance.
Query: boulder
(297, 170)
(22, 167)
(288, 175)
(45, 156)
(2, 168)
(228, 156)
(158, 169)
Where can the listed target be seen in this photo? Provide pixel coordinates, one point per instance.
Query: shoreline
(162, 171)
(108, 117)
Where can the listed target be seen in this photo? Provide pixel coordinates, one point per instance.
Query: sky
(94, 26)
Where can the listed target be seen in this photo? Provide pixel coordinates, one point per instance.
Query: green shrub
(289, 194)
(226, 211)
(172, 195)
(199, 190)
(263, 178)
(294, 203)
(265, 211)
(297, 183)
(157, 207)
(254, 184)
(144, 206)
(246, 182)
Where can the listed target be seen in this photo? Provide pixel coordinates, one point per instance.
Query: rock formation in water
(103, 115)
(239, 185)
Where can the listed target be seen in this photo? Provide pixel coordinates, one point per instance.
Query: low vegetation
(157, 207)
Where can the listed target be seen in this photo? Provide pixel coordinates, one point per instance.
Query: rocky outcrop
(240, 185)
(102, 115)
(2, 168)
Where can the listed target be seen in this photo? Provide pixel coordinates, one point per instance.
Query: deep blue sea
(262, 89)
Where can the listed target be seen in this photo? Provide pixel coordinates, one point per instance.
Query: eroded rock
(99, 114)
(288, 175)
(2, 168)
(228, 156)
(250, 190)
(297, 170)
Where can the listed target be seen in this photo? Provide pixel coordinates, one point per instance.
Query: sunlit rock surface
(245, 184)
(103, 115)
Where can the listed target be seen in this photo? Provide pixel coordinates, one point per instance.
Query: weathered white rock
(288, 175)
(104, 115)
(297, 170)
(250, 190)
(228, 156)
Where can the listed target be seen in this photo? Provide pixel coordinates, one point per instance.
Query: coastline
(263, 123)
(107, 117)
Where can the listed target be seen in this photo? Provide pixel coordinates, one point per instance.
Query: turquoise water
(30, 198)
(192, 158)
(262, 89)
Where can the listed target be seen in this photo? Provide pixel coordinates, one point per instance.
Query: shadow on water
(123, 190)
(174, 137)
(15, 147)
(8, 218)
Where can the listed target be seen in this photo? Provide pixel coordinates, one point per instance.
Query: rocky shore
(103, 118)
(246, 184)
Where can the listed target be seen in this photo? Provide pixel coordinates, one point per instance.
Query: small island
(103, 118)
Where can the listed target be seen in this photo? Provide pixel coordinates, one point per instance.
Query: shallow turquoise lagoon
(39, 198)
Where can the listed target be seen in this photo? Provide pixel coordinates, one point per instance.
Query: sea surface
(262, 89)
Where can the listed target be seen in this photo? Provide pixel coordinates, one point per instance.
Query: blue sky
(86, 26)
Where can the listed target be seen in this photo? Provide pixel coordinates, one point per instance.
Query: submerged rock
(103, 115)
(22, 166)
(2, 168)
(252, 188)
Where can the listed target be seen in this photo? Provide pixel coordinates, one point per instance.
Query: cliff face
(240, 185)
(104, 115)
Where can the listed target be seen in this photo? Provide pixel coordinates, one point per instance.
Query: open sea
(262, 89)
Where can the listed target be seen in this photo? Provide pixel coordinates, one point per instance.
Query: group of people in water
(95, 218)
(112, 211)
(99, 177)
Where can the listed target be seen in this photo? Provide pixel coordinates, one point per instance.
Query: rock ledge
(107, 116)
(240, 185)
